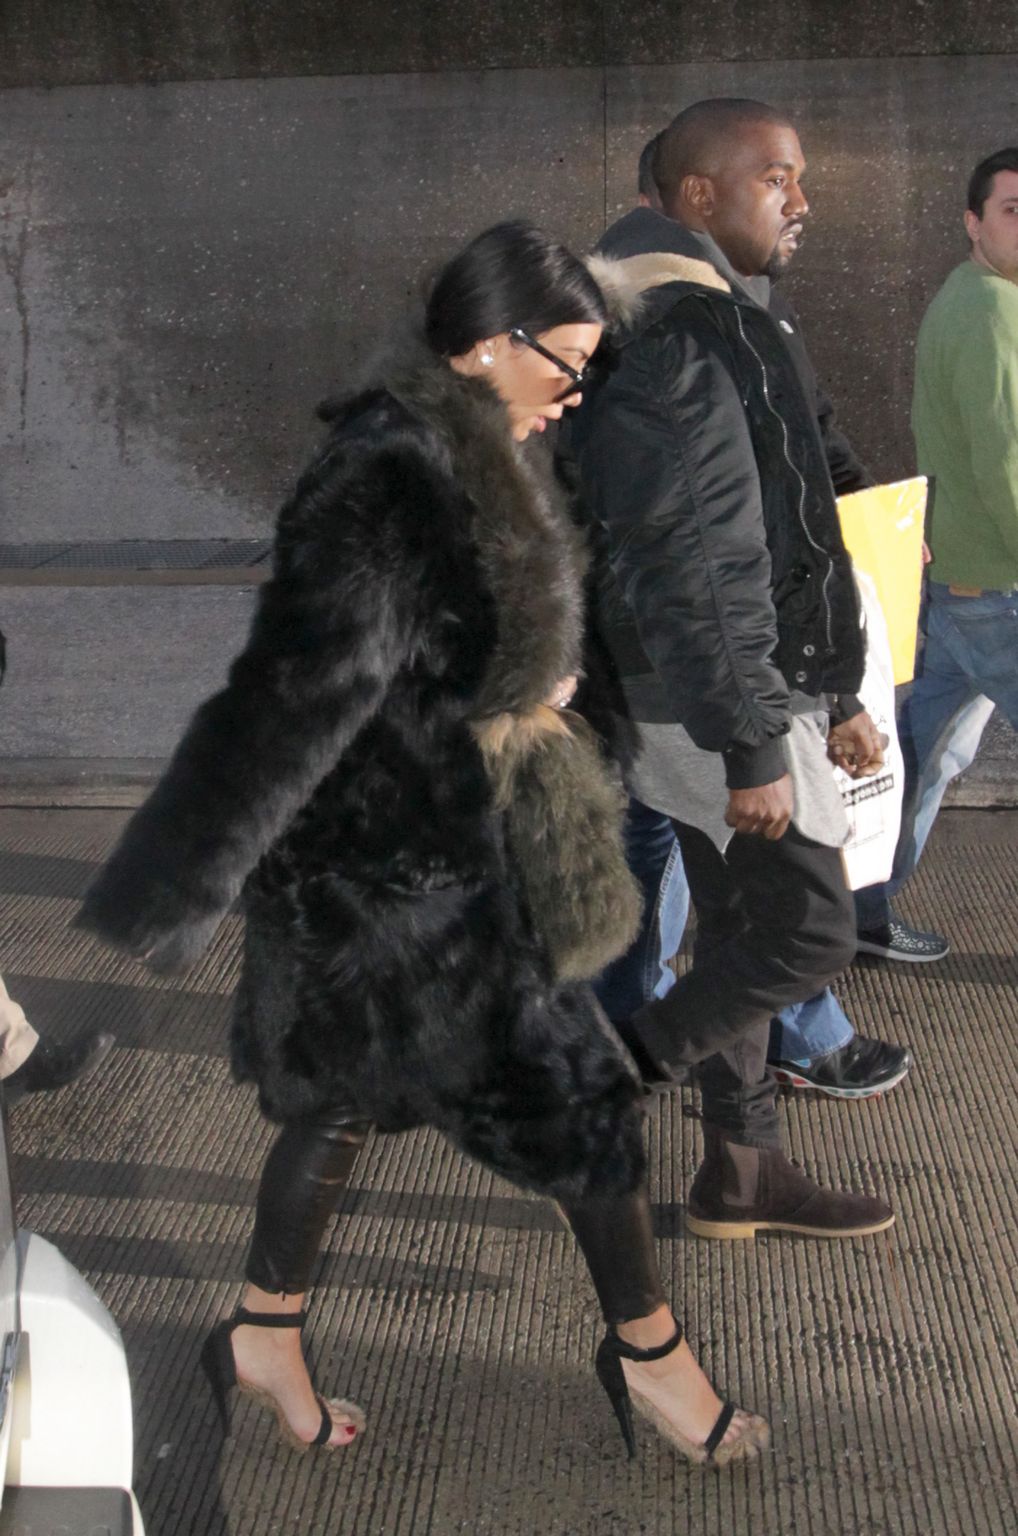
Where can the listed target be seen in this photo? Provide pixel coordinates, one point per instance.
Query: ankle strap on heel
(630, 1352)
(243, 1318)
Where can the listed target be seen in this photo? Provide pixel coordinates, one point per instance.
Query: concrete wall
(188, 266)
(77, 42)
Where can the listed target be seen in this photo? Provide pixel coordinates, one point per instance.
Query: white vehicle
(66, 1434)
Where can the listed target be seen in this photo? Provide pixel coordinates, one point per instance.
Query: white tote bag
(873, 805)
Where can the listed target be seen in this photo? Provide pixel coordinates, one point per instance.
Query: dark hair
(511, 275)
(981, 180)
(645, 183)
(695, 142)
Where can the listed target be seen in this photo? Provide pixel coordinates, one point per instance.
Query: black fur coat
(376, 778)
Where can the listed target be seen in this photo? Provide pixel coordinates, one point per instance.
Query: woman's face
(535, 389)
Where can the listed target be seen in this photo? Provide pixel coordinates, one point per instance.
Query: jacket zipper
(795, 470)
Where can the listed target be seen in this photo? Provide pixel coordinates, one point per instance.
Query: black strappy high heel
(220, 1367)
(750, 1441)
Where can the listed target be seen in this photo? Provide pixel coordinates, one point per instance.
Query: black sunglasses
(577, 375)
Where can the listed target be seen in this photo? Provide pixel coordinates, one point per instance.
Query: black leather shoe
(860, 1070)
(54, 1066)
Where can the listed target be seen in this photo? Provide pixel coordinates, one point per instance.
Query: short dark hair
(645, 183)
(981, 180)
(692, 141)
(511, 275)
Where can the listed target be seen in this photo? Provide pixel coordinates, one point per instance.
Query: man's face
(995, 236)
(756, 204)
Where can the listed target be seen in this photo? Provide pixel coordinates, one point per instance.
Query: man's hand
(857, 746)
(765, 810)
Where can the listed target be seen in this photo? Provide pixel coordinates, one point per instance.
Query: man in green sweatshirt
(965, 423)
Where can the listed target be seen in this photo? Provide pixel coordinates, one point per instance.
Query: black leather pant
(311, 1163)
(303, 1178)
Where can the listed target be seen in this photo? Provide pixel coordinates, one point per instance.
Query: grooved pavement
(455, 1309)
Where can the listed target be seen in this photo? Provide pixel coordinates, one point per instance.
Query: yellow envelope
(883, 532)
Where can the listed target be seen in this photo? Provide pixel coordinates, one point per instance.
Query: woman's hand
(562, 692)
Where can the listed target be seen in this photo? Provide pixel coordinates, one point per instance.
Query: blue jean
(800, 1033)
(969, 665)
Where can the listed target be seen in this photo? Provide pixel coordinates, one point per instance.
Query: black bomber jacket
(704, 475)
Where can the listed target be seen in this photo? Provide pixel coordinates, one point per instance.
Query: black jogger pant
(775, 925)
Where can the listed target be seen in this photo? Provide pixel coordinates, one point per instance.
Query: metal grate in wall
(136, 554)
(144, 562)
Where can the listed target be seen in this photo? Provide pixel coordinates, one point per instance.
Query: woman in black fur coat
(427, 849)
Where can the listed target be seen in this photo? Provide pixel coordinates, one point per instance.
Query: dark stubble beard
(777, 263)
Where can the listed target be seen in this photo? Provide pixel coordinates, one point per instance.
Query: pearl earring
(487, 358)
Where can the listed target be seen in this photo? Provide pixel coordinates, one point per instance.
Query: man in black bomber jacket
(813, 1044)
(725, 598)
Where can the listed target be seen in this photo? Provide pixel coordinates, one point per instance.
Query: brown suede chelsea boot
(739, 1191)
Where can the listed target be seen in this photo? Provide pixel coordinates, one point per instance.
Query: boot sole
(789, 1079)
(744, 1229)
(864, 947)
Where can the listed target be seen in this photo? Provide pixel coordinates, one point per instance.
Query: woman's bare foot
(272, 1361)
(678, 1389)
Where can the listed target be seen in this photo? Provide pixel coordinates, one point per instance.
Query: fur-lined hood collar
(644, 255)
(628, 284)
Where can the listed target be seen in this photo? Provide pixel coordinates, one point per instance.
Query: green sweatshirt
(965, 424)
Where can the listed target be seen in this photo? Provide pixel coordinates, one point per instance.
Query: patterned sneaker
(897, 941)
(860, 1070)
